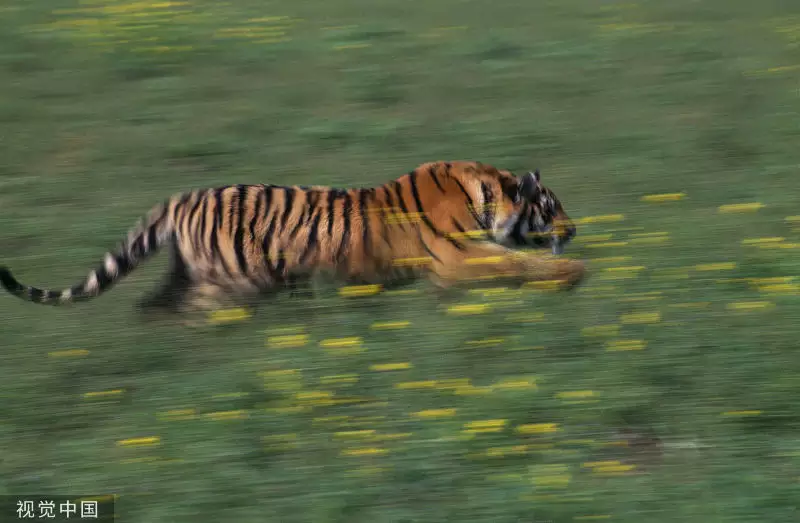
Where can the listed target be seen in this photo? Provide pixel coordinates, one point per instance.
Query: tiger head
(542, 221)
(514, 210)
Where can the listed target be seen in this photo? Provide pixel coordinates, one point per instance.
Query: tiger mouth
(547, 239)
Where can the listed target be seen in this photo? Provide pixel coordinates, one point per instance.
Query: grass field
(665, 389)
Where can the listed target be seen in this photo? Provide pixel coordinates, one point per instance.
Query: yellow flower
(538, 428)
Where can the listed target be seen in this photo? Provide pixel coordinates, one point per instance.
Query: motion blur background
(664, 389)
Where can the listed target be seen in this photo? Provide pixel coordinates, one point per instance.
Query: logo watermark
(57, 509)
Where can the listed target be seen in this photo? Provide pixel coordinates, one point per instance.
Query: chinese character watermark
(89, 509)
(68, 508)
(25, 510)
(47, 509)
(58, 508)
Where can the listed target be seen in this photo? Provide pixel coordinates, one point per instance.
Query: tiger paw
(571, 272)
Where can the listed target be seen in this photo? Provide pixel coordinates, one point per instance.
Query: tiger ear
(529, 185)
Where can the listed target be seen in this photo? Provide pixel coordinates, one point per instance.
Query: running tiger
(241, 241)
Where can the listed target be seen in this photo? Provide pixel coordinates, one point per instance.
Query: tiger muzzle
(561, 235)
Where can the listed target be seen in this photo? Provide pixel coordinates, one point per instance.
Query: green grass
(105, 111)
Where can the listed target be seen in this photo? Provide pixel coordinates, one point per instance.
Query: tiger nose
(571, 231)
(566, 230)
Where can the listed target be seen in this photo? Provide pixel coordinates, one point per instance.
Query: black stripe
(215, 227)
(104, 279)
(470, 204)
(290, 194)
(180, 205)
(488, 200)
(184, 205)
(271, 216)
(9, 282)
(232, 208)
(390, 203)
(124, 265)
(389, 199)
(365, 232)
(426, 220)
(425, 246)
(36, 294)
(296, 229)
(458, 225)
(152, 236)
(238, 238)
(332, 195)
(200, 229)
(256, 214)
(398, 189)
(152, 231)
(193, 212)
(432, 173)
(137, 248)
(346, 209)
(203, 228)
(312, 200)
(302, 219)
(216, 221)
(486, 191)
(312, 240)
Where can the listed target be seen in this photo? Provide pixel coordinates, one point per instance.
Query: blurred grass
(534, 407)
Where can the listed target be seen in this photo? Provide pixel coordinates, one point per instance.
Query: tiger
(451, 222)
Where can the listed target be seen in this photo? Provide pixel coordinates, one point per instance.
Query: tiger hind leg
(203, 299)
(194, 305)
(170, 295)
(207, 298)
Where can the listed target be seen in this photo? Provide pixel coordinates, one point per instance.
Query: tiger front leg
(489, 262)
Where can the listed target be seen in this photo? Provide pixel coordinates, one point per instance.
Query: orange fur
(245, 240)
